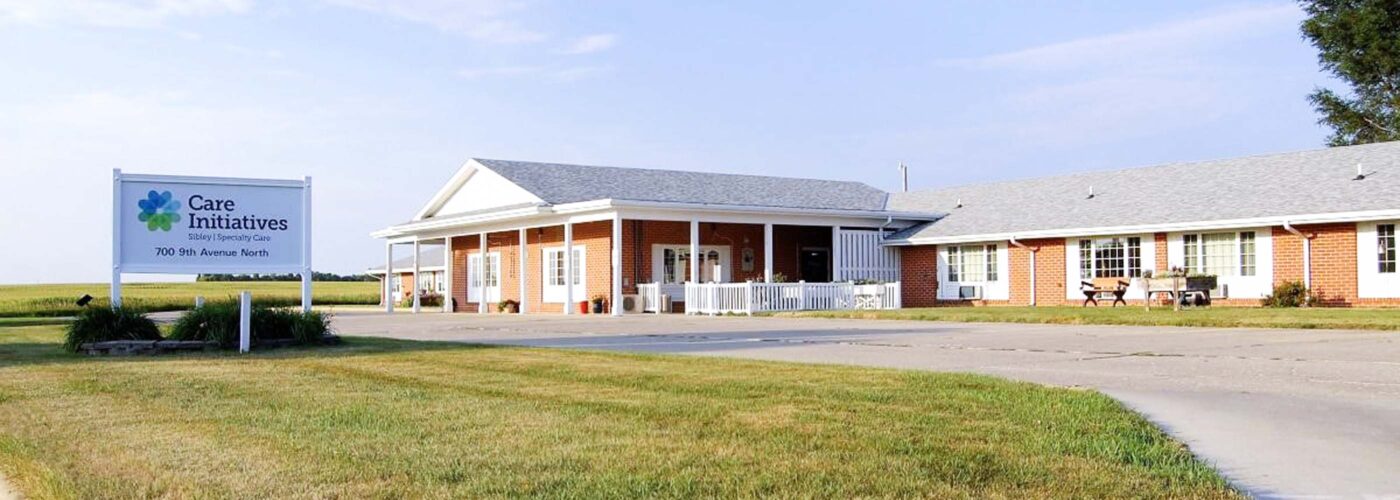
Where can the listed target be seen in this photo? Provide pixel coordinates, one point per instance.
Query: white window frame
(1234, 258)
(1147, 251)
(474, 278)
(1370, 282)
(556, 293)
(1240, 286)
(1098, 244)
(992, 289)
(658, 262)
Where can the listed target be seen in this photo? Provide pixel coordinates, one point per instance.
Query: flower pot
(510, 309)
(583, 308)
(597, 308)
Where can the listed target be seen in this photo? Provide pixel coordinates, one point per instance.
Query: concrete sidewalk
(1283, 413)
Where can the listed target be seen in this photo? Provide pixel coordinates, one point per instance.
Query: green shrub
(100, 324)
(1290, 294)
(424, 300)
(218, 322)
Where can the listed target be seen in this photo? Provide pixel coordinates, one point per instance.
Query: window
(554, 290)
(1110, 258)
(954, 264)
(1221, 254)
(973, 263)
(991, 262)
(398, 283)
(1247, 267)
(674, 264)
(1385, 248)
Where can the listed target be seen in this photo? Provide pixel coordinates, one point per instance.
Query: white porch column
(481, 269)
(568, 268)
(447, 274)
(836, 254)
(616, 265)
(524, 257)
(768, 253)
(388, 276)
(694, 251)
(417, 283)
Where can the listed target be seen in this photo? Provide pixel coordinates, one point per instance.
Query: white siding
(1370, 282)
(483, 190)
(862, 257)
(991, 290)
(1240, 287)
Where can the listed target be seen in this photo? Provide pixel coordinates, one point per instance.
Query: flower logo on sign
(159, 210)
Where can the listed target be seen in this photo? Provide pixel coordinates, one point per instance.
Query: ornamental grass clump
(101, 324)
(218, 322)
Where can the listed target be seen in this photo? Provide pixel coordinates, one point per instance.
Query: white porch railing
(651, 297)
(750, 297)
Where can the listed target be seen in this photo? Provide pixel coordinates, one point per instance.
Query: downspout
(1307, 253)
(1017, 243)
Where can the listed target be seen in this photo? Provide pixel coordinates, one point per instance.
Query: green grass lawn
(382, 418)
(1360, 319)
(58, 300)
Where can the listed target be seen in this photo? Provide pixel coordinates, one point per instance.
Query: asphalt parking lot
(1283, 413)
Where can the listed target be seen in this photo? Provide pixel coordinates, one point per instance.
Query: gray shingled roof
(1277, 185)
(559, 183)
(431, 257)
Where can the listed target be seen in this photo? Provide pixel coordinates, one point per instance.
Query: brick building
(1326, 218)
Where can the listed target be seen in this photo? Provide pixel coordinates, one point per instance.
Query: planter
(583, 308)
(1201, 283)
(509, 308)
(597, 308)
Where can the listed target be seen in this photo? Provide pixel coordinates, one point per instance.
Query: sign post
(171, 224)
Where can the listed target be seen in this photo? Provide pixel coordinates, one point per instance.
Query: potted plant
(598, 302)
(509, 306)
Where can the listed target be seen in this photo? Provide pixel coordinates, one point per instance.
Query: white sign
(193, 225)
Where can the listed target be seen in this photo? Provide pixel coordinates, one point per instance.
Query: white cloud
(481, 20)
(114, 13)
(1146, 44)
(565, 74)
(592, 43)
(479, 73)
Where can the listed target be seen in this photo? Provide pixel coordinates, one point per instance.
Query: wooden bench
(1116, 286)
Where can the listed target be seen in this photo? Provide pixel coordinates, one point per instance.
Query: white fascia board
(1304, 219)
(423, 226)
(445, 192)
(190, 179)
(409, 269)
(756, 209)
(595, 210)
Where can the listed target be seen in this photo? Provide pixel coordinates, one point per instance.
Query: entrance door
(814, 265)
(491, 285)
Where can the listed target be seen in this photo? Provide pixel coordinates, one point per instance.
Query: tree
(1359, 42)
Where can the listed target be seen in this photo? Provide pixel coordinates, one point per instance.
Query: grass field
(1359, 319)
(382, 418)
(58, 300)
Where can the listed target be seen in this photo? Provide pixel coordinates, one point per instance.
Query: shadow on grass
(30, 351)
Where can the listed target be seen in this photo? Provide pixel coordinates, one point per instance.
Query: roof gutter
(1307, 252)
(1033, 250)
(1323, 218)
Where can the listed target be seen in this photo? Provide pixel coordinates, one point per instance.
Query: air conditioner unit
(665, 303)
(631, 304)
(969, 293)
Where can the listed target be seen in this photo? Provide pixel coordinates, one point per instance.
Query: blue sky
(381, 100)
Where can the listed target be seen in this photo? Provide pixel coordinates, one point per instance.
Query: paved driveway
(1283, 413)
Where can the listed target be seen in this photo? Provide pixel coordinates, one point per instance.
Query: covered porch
(655, 265)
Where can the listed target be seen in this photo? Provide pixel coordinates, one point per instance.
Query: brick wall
(919, 275)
